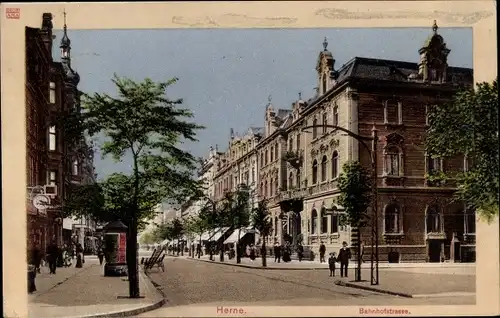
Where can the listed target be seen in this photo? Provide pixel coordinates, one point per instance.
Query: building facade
(54, 160)
(301, 158)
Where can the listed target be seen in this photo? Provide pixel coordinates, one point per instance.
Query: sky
(226, 75)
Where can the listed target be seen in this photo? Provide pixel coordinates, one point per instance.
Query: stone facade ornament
(394, 139)
(334, 143)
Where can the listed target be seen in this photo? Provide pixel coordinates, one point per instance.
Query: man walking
(277, 252)
(322, 251)
(52, 253)
(344, 257)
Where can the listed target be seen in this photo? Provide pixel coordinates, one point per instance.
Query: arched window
(433, 220)
(276, 185)
(276, 157)
(392, 214)
(392, 161)
(266, 189)
(314, 222)
(324, 220)
(315, 172)
(262, 159)
(76, 167)
(298, 142)
(297, 181)
(323, 83)
(290, 180)
(290, 144)
(271, 187)
(315, 130)
(325, 122)
(323, 169)
(336, 115)
(266, 157)
(334, 220)
(262, 189)
(276, 224)
(335, 165)
(272, 154)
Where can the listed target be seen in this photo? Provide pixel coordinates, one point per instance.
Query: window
(262, 189)
(298, 142)
(427, 110)
(262, 159)
(314, 222)
(290, 180)
(392, 112)
(433, 164)
(468, 163)
(433, 220)
(271, 187)
(323, 169)
(276, 185)
(75, 167)
(52, 92)
(52, 178)
(392, 218)
(290, 144)
(324, 220)
(52, 138)
(272, 154)
(325, 122)
(334, 220)
(297, 177)
(470, 221)
(323, 84)
(315, 131)
(276, 152)
(253, 175)
(266, 157)
(336, 115)
(266, 190)
(335, 165)
(392, 161)
(315, 172)
(276, 224)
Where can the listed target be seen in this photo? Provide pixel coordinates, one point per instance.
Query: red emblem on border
(13, 13)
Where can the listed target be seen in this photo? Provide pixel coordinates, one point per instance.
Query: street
(195, 283)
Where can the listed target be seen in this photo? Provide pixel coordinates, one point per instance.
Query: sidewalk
(469, 268)
(85, 292)
(415, 285)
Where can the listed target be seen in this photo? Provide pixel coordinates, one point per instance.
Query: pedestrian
(322, 251)
(300, 252)
(79, 256)
(247, 250)
(362, 250)
(100, 255)
(344, 257)
(331, 264)
(52, 251)
(277, 252)
(36, 257)
(252, 252)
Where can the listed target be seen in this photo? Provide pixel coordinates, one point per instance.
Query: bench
(156, 259)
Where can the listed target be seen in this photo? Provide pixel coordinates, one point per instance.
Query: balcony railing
(322, 187)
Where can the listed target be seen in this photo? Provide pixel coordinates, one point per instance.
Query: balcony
(436, 236)
(294, 158)
(322, 187)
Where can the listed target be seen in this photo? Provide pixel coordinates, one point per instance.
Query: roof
(390, 70)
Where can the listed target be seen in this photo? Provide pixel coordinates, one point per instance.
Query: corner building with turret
(298, 168)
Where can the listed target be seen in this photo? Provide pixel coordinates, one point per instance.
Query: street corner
(364, 285)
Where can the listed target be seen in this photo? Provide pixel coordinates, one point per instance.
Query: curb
(131, 312)
(257, 267)
(373, 289)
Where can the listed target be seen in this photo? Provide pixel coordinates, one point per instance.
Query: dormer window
(75, 167)
(52, 92)
(323, 84)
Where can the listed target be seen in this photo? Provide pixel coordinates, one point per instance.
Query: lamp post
(374, 259)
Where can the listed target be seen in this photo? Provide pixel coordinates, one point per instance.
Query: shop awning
(165, 242)
(220, 232)
(206, 236)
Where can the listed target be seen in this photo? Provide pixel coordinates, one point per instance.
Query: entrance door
(457, 256)
(434, 251)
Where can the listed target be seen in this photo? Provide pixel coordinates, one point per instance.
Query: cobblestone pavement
(193, 283)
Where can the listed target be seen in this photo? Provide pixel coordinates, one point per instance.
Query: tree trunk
(358, 269)
(238, 257)
(198, 251)
(221, 248)
(132, 263)
(263, 252)
(133, 277)
(210, 250)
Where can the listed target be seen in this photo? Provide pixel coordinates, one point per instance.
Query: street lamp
(374, 259)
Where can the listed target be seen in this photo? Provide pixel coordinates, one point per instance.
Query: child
(331, 264)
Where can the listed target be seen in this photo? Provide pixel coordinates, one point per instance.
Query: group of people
(343, 258)
(57, 256)
(285, 252)
(251, 252)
